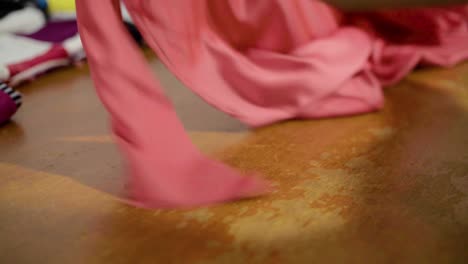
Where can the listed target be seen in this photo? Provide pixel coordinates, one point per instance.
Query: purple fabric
(56, 31)
(7, 107)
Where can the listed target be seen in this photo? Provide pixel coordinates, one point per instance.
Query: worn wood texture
(387, 187)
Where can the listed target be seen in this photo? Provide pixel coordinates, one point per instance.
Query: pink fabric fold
(260, 61)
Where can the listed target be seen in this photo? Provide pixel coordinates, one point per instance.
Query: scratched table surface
(386, 187)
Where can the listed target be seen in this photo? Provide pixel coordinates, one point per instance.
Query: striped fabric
(10, 101)
(13, 94)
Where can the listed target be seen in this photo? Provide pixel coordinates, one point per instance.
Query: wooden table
(387, 187)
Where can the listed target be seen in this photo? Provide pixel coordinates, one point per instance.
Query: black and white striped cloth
(14, 95)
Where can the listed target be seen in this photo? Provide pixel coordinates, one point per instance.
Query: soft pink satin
(260, 61)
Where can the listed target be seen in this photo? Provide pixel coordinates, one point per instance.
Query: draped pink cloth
(261, 61)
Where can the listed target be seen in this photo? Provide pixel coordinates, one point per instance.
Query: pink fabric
(261, 61)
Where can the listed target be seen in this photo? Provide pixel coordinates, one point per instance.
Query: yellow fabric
(61, 5)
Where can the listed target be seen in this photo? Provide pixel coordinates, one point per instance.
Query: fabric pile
(37, 36)
(260, 61)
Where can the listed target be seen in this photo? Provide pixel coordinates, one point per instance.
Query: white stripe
(8, 90)
(15, 95)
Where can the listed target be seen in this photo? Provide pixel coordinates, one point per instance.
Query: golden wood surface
(387, 187)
